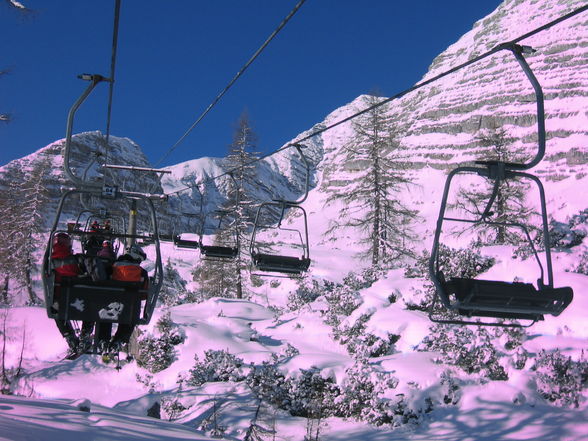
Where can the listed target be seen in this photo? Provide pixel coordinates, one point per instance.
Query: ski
(73, 355)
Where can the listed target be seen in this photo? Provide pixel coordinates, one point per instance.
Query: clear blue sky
(174, 57)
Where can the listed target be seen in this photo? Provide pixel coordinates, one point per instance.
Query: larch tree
(227, 277)
(510, 204)
(23, 217)
(373, 166)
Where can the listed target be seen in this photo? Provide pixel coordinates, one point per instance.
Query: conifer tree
(510, 203)
(373, 165)
(226, 278)
(11, 236)
(22, 218)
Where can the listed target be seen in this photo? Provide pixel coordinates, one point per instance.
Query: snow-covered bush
(369, 345)
(157, 353)
(172, 408)
(216, 366)
(307, 292)
(269, 385)
(173, 290)
(402, 412)
(363, 280)
(451, 389)
(457, 262)
(582, 266)
(560, 379)
(311, 395)
(361, 343)
(570, 234)
(520, 358)
(472, 350)
(342, 301)
(170, 330)
(361, 394)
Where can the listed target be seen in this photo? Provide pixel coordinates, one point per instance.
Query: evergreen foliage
(510, 204)
(226, 279)
(172, 408)
(361, 393)
(216, 366)
(157, 353)
(173, 290)
(560, 379)
(269, 385)
(582, 266)
(374, 162)
(19, 227)
(307, 292)
(311, 395)
(453, 262)
(469, 348)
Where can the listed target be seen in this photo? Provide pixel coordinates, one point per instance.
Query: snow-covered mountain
(356, 347)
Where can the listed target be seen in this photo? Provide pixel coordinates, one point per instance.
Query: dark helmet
(62, 239)
(136, 253)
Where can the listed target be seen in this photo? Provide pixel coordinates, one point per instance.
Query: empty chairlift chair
(264, 258)
(188, 240)
(226, 242)
(188, 237)
(470, 297)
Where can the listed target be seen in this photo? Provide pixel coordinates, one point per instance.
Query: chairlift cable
(232, 170)
(112, 71)
(448, 72)
(235, 78)
(399, 95)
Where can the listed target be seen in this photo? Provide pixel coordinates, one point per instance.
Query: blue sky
(175, 57)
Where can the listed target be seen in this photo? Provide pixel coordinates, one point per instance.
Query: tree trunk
(29, 283)
(500, 209)
(5, 290)
(239, 280)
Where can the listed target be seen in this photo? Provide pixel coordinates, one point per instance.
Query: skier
(127, 268)
(93, 242)
(106, 251)
(66, 264)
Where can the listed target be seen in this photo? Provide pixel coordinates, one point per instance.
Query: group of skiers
(124, 268)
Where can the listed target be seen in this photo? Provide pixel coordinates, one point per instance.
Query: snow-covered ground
(118, 402)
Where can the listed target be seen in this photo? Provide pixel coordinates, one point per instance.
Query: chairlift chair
(83, 299)
(280, 263)
(500, 300)
(228, 249)
(182, 240)
(118, 224)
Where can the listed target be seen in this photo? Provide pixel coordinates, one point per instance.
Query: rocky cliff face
(495, 92)
(438, 123)
(121, 151)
